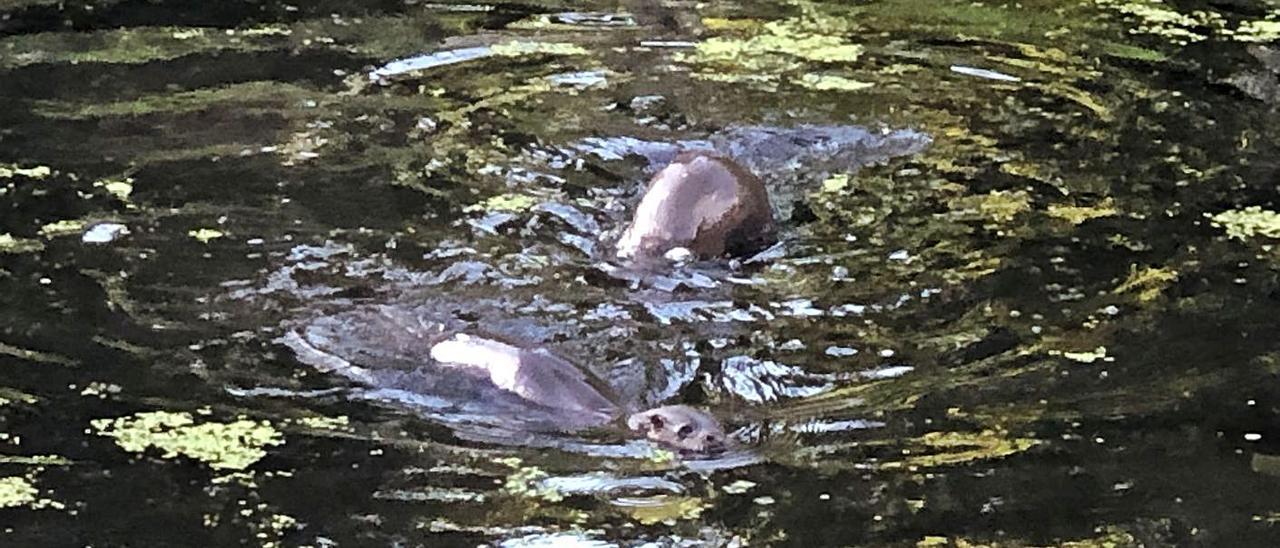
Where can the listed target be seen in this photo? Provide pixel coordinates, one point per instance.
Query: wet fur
(705, 203)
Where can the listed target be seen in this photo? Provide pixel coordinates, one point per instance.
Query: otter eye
(712, 439)
(684, 431)
(655, 421)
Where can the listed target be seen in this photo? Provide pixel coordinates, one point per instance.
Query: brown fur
(680, 427)
(703, 202)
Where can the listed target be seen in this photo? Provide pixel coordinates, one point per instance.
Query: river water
(1027, 297)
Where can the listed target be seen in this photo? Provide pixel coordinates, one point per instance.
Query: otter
(389, 348)
(704, 203)
(548, 380)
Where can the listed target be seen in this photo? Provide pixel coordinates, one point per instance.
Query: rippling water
(1025, 293)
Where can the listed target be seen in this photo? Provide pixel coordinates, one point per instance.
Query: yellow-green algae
(8, 396)
(1249, 222)
(1147, 282)
(205, 235)
(248, 98)
(1078, 214)
(62, 228)
(10, 244)
(526, 481)
(16, 491)
(35, 355)
(519, 48)
(324, 423)
(777, 48)
(1263, 31)
(831, 82)
(220, 445)
(120, 188)
(961, 447)
(998, 207)
(128, 46)
(1110, 537)
(35, 460)
(505, 202)
(1086, 356)
(34, 172)
(661, 508)
(1157, 18)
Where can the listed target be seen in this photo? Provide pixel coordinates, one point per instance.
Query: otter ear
(656, 421)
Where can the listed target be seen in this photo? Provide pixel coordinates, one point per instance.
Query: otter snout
(682, 428)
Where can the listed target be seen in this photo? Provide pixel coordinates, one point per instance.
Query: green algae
(1147, 283)
(35, 355)
(996, 208)
(1157, 18)
(1263, 31)
(778, 48)
(248, 98)
(831, 82)
(1086, 356)
(522, 48)
(121, 188)
(666, 509)
(340, 423)
(205, 235)
(505, 202)
(127, 46)
(1248, 223)
(19, 491)
(1076, 214)
(10, 244)
(234, 445)
(1109, 537)
(16, 491)
(63, 228)
(953, 448)
(34, 172)
(527, 482)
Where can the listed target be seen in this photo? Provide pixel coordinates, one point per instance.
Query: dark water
(1056, 325)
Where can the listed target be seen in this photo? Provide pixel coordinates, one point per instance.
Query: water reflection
(1052, 325)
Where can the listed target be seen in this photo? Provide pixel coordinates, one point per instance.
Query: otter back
(705, 203)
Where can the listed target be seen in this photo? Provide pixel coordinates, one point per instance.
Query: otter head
(682, 428)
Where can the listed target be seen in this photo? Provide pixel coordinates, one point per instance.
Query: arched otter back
(703, 202)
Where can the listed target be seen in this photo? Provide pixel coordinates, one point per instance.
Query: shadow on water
(1025, 292)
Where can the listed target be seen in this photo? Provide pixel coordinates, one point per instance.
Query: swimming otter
(472, 378)
(549, 380)
(702, 202)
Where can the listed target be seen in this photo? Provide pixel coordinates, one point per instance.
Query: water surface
(1054, 325)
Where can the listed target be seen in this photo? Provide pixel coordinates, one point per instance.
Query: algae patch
(949, 448)
(224, 446)
(204, 235)
(831, 82)
(35, 172)
(1243, 224)
(661, 508)
(62, 228)
(10, 244)
(505, 202)
(520, 49)
(1147, 282)
(16, 491)
(1079, 214)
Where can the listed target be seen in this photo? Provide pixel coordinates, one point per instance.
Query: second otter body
(702, 202)
(475, 378)
(551, 381)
